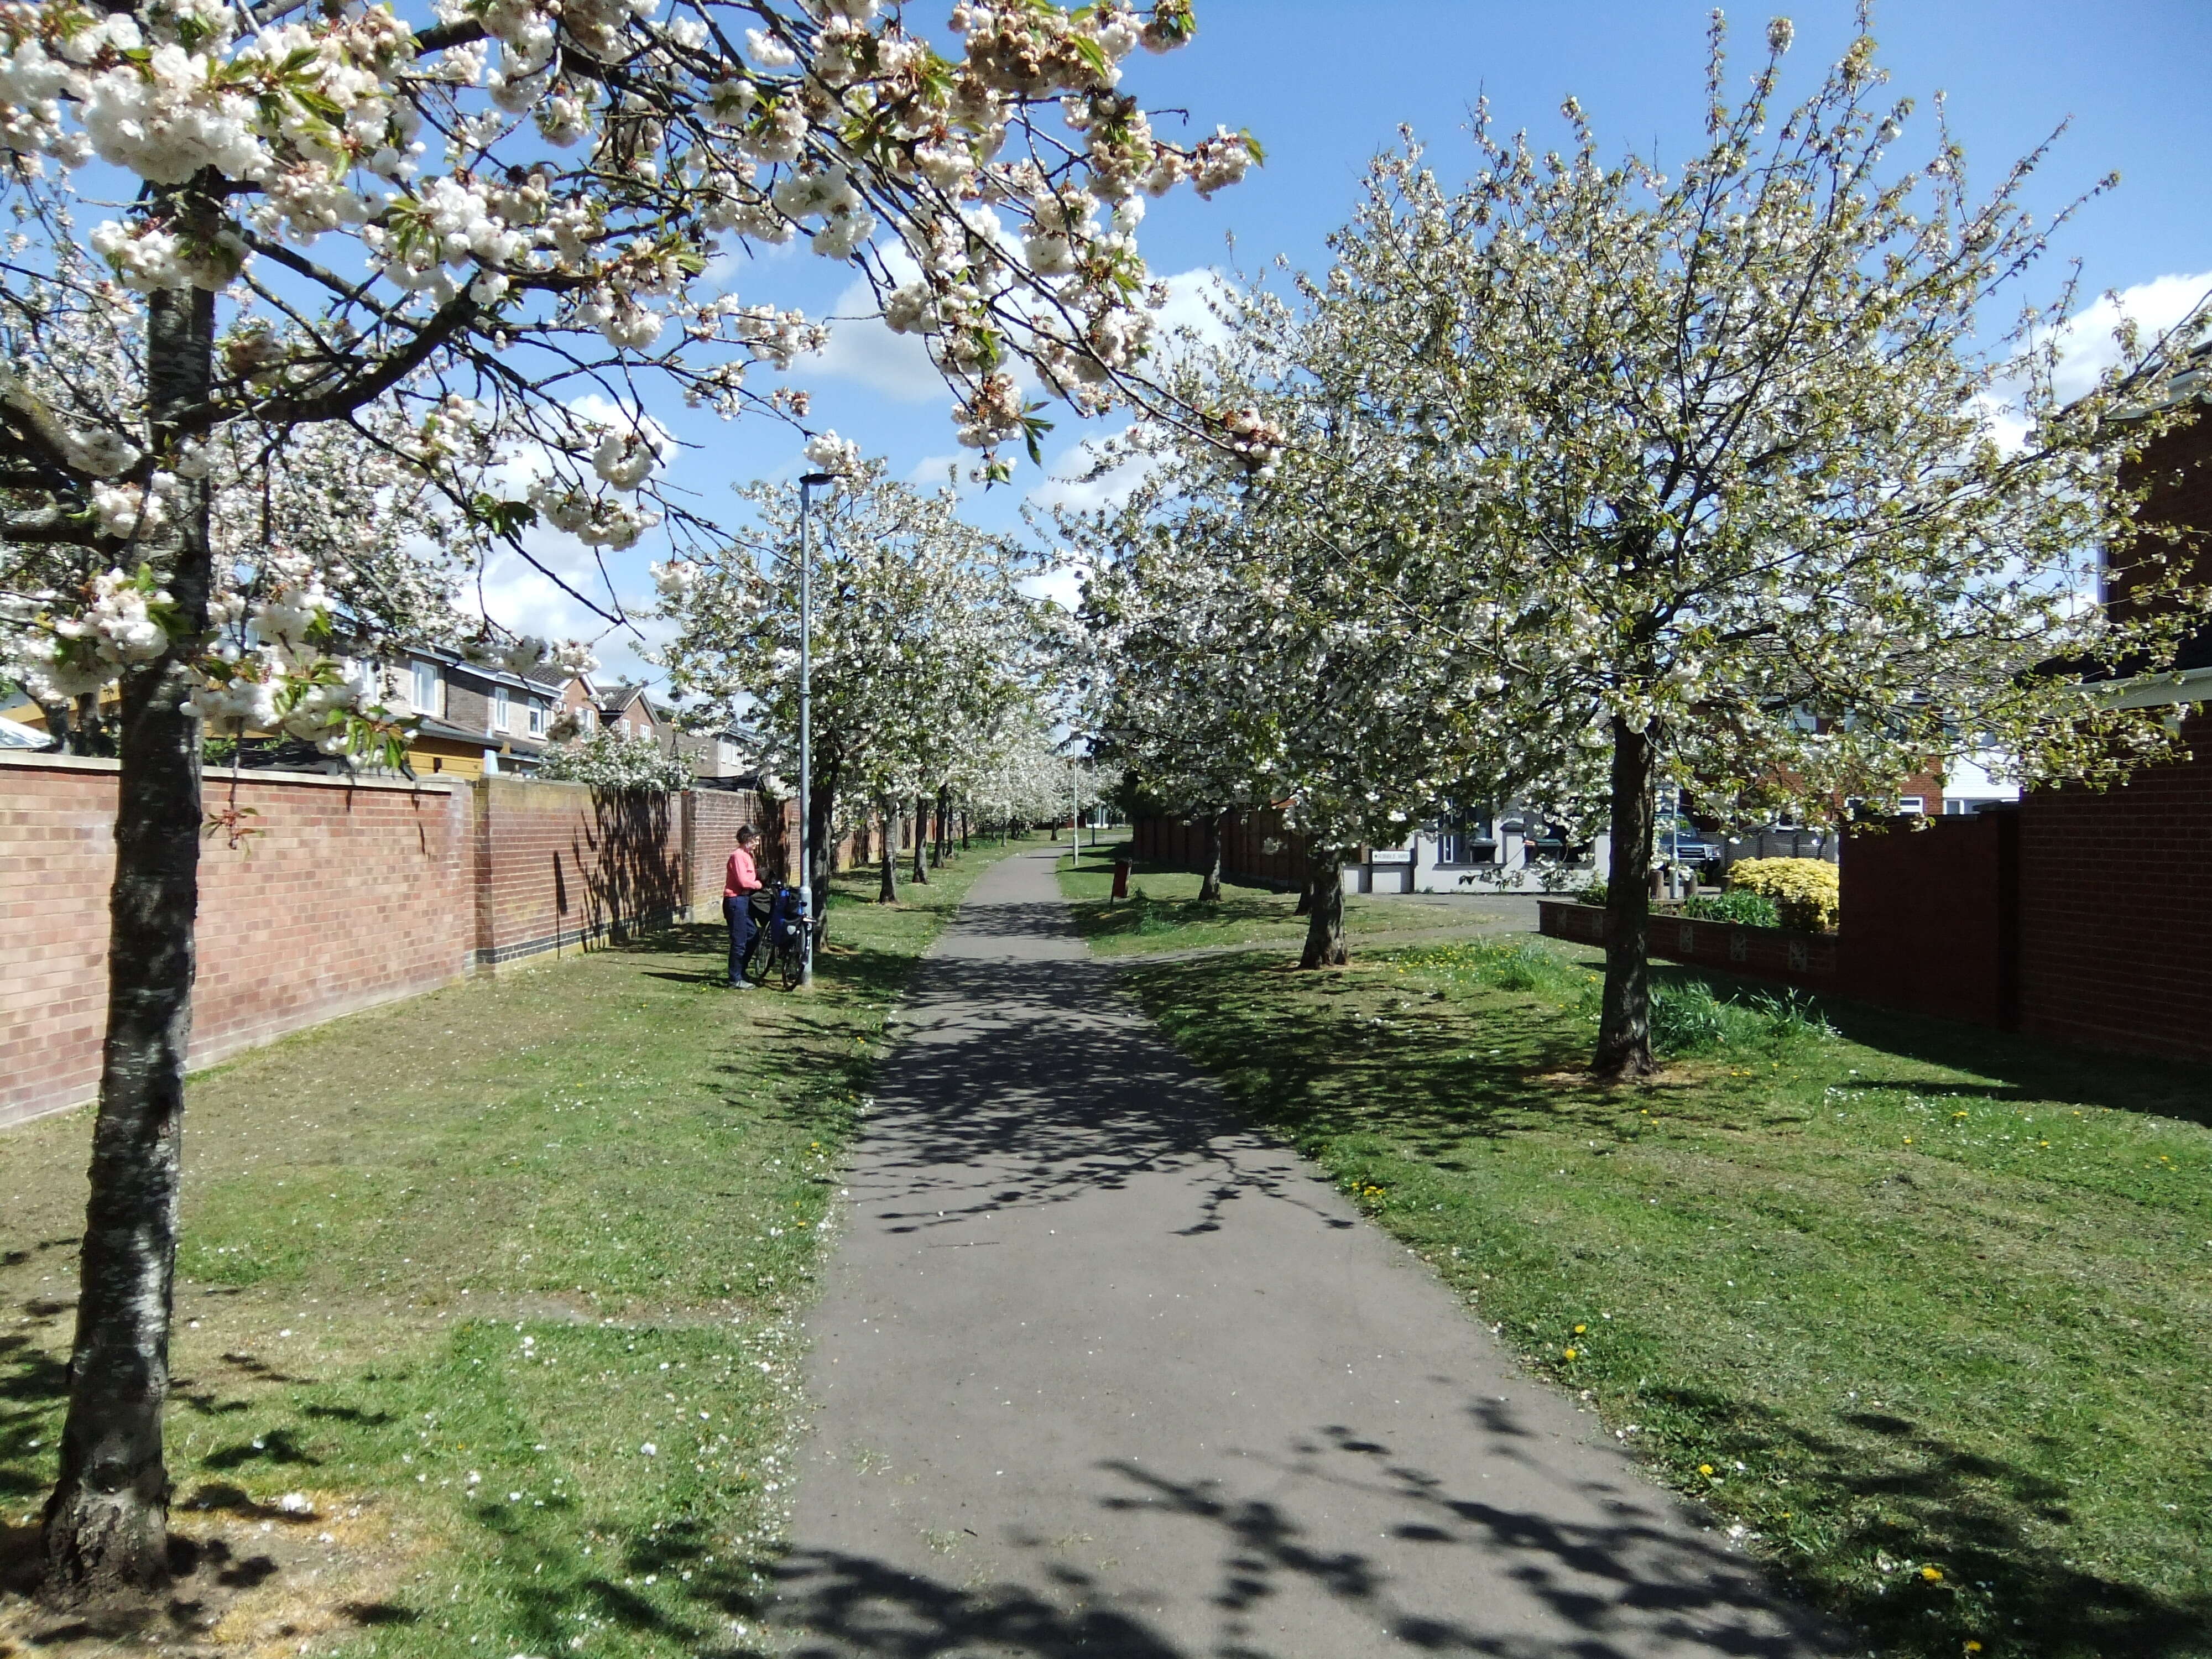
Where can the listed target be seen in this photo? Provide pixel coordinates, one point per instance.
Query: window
(1911, 803)
(424, 693)
(588, 718)
(536, 718)
(1467, 838)
(502, 709)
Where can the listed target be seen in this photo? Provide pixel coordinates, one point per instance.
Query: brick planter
(1811, 960)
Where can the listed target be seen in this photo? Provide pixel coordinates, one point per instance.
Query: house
(625, 708)
(471, 719)
(725, 754)
(1483, 849)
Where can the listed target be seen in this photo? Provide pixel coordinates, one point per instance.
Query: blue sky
(1325, 85)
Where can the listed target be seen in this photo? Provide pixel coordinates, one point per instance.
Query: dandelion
(1972, 1646)
(1579, 1330)
(1933, 1575)
(1570, 1354)
(1705, 1469)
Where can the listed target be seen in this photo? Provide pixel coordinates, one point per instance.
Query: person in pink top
(743, 898)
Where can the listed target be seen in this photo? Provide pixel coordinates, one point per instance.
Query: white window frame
(536, 718)
(1912, 804)
(424, 675)
(502, 709)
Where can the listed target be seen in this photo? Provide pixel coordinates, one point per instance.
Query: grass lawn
(1163, 913)
(500, 1284)
(1924, 1310)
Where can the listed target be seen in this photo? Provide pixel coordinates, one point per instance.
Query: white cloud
(518, 596)
(1072, 485)
(1063, 585)
(1190, 315)
(2087, 348)
(865, 350)
(932, 470)
(2154, 306)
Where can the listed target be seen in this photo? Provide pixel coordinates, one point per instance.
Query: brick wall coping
(38, 762)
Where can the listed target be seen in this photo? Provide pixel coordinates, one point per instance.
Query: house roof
(429, 727)
(491, 676)
(16, 735)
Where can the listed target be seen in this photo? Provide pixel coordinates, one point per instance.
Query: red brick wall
(345, 896)
(2116, 910)
(715, 816)
(1811, 960)
(1181, 845)
(561, 865)
(2175, 474)
(1927, 916)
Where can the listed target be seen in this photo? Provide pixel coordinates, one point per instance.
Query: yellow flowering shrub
(1803, 890)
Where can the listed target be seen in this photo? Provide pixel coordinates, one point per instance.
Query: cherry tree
(501, 218)
(1027, 774)
(321, 540)
(1710, 465)
(1261, 626)
(924, 644)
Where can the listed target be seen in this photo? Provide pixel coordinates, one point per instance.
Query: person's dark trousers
(743, 931)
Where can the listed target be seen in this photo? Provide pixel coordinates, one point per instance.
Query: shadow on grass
(2029, 1068)
(1366, 1054)
(1144, 914)
(1998, 1530)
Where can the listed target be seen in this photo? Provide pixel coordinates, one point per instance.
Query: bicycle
(778, 949)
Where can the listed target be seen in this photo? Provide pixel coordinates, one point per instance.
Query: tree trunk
(964, 829)
(1209, 886)
(821, 811)
(106, 1523)
(1624, 1034)
(920, 873)
(84, 729)
(1305, 893)
(1325, 919)
(888, 892)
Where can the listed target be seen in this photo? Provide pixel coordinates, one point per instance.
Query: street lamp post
(807, 485)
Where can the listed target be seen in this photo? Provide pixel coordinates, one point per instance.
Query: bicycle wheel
(757, 964)
(793, 960)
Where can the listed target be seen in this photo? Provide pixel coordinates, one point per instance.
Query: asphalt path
(1099, 1371)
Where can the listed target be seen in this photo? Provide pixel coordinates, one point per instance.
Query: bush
(1803, 890)
(1687, 1019)
(1519, 968)
(611, 760)
(1743, 906)
(1593, 894)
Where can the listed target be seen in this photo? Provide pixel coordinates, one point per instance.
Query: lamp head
(818, 478)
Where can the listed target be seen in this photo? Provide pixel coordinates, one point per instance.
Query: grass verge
(1163, 913)
(486, 1304)
(1923, 1312)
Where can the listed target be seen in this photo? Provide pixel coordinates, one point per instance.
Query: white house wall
(1417, 871)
